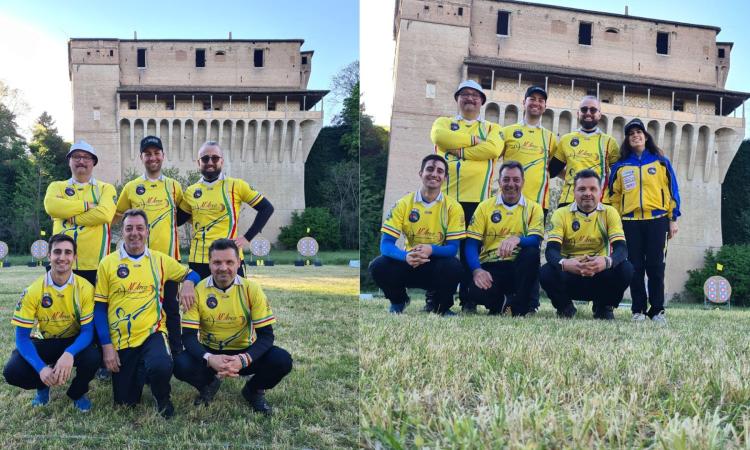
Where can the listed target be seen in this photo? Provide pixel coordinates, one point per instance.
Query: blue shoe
(42, 397)
(83, 404)
(397, 308)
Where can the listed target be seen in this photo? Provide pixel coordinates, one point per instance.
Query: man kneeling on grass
(236, 337)
(433, 224)
(62, 304)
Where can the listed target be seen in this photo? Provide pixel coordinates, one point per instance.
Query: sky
(378, 48)
(34, 36)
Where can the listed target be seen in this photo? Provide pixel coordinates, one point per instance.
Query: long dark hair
(626, 150)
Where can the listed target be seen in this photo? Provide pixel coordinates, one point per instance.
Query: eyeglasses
(591, 109)
(213, 158)
(82, 158)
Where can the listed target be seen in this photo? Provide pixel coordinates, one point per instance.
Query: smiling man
(61, 307)
(432, 224)
(586, 253)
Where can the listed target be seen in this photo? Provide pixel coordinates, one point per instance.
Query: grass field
(479, 382)
(315, 406)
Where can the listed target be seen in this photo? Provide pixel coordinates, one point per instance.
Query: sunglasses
(585, 109)
(213, 158)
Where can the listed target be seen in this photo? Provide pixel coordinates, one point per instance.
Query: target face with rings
(260, 246)
(307, 246)
(3, 249)
(39, 249)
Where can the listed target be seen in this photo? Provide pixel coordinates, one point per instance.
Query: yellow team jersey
(57, 311)
(134, 290)
(227, 319)
(215, 210)
(579, 151)
(582, 234)
(532, 147)
(645, 188)
(159, 199)
(420, 223)
(65, 202)
(472, 168)
(494, 221)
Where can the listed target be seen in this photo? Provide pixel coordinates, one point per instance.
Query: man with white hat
(471, 146)
(82, 208)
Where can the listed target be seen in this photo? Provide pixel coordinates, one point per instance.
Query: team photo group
(618, 207)
(136, 314)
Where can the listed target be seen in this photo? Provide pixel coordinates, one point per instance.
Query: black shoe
(257, 400)
(207, 392)
(567, 313)
(166, 409)
(428, 307)
(103, 374)
(604, 313)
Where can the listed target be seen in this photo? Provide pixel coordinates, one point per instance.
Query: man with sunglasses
(83, 208)
(213, 204)
(586, 148)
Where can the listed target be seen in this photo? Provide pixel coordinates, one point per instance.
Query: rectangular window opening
(200, 57)
(111, 53)
(584, 33)
(132, 104)
(721, 53)
(503, 18)
(272, 105)
(258, 57)
(170, 105)
(460, 11)
(206, 105)
(141, 58)
(304, 60)
(679, 105)
(662, 43)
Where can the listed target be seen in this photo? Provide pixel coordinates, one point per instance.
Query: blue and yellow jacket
(644, 188)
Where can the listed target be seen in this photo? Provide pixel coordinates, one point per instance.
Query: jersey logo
(69, 191)
(574, 142)
(46, 300)
(211, 302)
(517, 134)
(197, 193)
(140, 189)
(628, 180)
(414, 216)
(576, 225)
(496, 217)
(454, 126)
(123, 271)
(652, 170)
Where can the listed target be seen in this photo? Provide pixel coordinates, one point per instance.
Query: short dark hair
(511, 165)
(62, 238)
(135, 212)
(586, 173)
(433, 157)
(223, 244)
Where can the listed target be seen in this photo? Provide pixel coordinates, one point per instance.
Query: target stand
(717, 292)
(307, 248)
(260, 247)
(3, 254)
(39, 251)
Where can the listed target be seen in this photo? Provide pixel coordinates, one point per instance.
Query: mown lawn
(315, 406)
(479, 382)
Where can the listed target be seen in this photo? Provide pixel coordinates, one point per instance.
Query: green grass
(315, 406)
(478, 382)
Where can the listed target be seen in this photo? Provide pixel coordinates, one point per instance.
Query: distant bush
(323, 227)
(736, 262)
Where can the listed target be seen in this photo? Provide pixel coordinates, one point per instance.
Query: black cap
(535, 90)
(635, 123)
(151, 141)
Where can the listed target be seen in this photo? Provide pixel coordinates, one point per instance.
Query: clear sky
(34, 36)
(377, 45)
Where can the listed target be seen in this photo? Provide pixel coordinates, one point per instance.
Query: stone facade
(680, 94)
(250, 96)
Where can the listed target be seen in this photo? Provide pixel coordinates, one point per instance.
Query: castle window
(200, 57)
(258, 57)
(304, 60)
(503, 20)
(679, 105)
(584, 33)
(206, 105)
(141, 58)
(460, 11)
(721, 53)
(662, 43)
(132, 104)
(111, 53)
(272, 105)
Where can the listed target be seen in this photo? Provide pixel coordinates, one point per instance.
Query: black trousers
(440, 275)
(204, 270)
(18, 372)
(647, 251)
(172, 309)
(514, 279)
(464, 297)
(269, 369)
(150, 361)
(604, 289)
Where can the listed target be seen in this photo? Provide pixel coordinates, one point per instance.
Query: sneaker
(165, 409)
(397, 308)
(208, 392)
(83, 404)
(42, 397)
(257, 400)
(660, 319)
(604, 313)
(639, 317)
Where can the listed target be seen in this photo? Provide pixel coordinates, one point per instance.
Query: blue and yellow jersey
(581, 234)
(57, 311)
(133, 289)
(422, 223)
(227, 319)
(494, 221)
(472, 168)
(65, 202)
(159, 199)
(580, 151)
(532, 146)
(215, 210)
(645, 188)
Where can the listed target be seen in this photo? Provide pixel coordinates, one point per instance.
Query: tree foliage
(735, 203)
(321, 225)
(735, 260)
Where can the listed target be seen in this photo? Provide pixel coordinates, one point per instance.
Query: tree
(735, 203)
